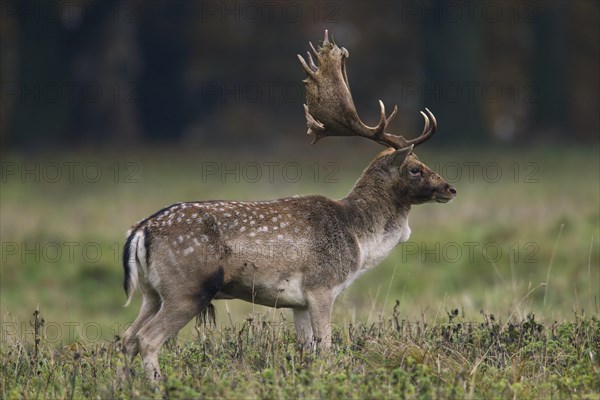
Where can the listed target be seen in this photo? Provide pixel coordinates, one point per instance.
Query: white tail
(134, 257)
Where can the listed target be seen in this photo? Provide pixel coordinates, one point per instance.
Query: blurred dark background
(110, 110)
(115, 73)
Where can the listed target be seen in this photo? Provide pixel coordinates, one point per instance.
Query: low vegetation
(392, 358)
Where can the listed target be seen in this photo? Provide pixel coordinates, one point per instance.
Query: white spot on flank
(187, 251)
(180, 238)
(252, 234)
(279, 237)
(242, 229)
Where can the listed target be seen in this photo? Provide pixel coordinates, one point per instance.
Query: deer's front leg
(320, 305)
(304, 331)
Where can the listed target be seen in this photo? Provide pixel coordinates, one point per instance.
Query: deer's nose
(452, 190)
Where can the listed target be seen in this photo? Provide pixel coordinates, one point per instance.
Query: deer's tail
(134, 260)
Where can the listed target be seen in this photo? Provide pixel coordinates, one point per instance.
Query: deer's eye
(415, 171)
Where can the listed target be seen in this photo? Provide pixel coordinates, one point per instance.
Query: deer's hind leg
(177, 309)
(151, 304)
(172, 316)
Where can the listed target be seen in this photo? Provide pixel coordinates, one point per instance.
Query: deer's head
(330, 111)
(410, 180)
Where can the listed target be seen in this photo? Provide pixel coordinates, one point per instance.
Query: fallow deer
(298, 252)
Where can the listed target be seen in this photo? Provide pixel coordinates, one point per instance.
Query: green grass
(542, 214)
(392, 358)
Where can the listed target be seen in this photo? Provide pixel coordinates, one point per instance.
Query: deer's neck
(378, 217)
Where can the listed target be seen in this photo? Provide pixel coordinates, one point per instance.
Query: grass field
(495, 295)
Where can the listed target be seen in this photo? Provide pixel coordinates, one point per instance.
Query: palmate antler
(329, 107)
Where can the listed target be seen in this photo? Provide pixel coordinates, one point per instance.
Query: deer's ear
(398, 157)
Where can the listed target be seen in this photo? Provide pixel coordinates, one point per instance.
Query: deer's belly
(284, 291)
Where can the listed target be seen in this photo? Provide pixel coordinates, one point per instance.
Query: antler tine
(315, 52)
(432, 125)
(399, 142)
(428, 129)
(392, 115)
(325, 42)
(433, 120)
(314, 127)
(380, 128)
(311, 62)
(307, 69)
(427, 123)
